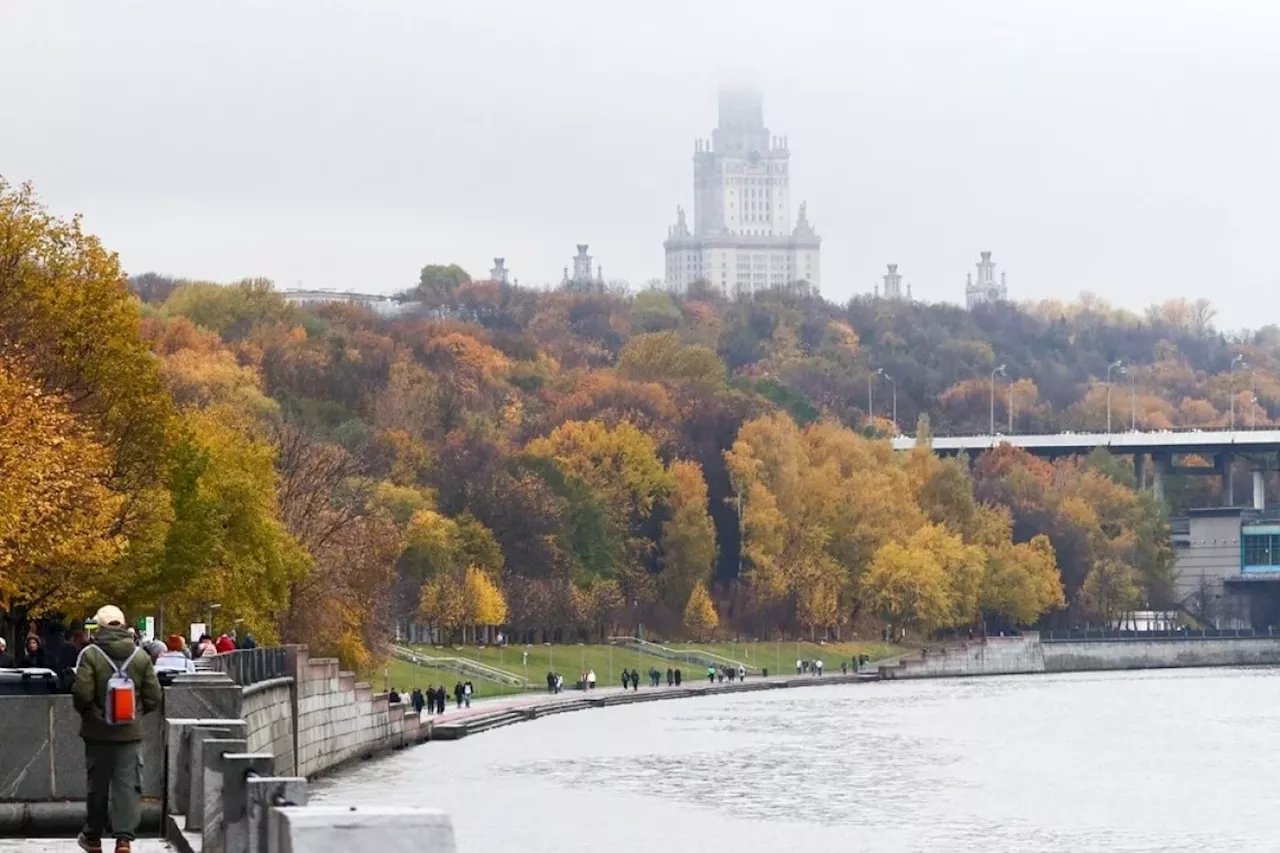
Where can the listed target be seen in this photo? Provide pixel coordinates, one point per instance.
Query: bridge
(1260, 447)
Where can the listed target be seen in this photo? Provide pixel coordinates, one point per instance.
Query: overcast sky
(1127, 148)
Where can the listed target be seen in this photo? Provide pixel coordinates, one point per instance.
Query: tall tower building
(985, 288)
(893, 283)
(742, 239)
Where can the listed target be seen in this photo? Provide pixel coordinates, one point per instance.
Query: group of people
(33, 655)
(436, 698)
(729, 672)
(807, 667)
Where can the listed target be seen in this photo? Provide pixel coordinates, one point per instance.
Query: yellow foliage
(700, 615)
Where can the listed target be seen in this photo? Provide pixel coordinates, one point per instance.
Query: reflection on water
(1115, 761)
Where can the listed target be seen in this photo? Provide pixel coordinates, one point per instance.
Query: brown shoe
(87, 844)
(123, 846)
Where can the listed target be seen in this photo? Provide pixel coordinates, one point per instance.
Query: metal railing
(248, 666)
(1099, 635)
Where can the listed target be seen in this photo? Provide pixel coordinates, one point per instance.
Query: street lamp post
(894, 385)
(1239, 359)
(1116, 365)
(871, 378)
(1253, 415)
(999, 370)
(1133, 401)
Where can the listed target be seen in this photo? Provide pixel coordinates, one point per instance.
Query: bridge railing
(1076, 635)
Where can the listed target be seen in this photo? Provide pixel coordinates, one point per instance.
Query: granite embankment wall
(1084, 655)
(1029, 654)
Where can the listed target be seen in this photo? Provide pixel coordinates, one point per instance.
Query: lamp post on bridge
(1115, 365)
(999, 370)
(889, 379)
(1239, 359)
(1133, 401)
(870, 379)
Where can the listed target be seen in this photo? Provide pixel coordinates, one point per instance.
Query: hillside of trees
(571, 464)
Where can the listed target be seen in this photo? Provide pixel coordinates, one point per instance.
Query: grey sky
(1128, 148)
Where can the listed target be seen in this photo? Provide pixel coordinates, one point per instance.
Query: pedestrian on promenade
(442, 699)
(799, 666)
(115, 685)
(711, 674)
(591, 679)
(626, 679)
(559, 683)
(635, 680)
(671, 677)
(551, 682)
(224, 644)
(679, 676)
(6, 659)
(844, 667)
(467, 690)
(742, 672)
(249, 642)
(393, 697)
(33, 656)
(416, 700)
(457, 693)
(817, 666)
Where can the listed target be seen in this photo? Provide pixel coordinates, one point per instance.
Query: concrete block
(213, 826)
(237, 770)
(26, 761)
(195, 790)
(334, 829)
(266, 793)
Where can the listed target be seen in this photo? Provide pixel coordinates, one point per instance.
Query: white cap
(109, 614)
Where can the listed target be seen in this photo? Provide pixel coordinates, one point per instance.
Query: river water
(1148, 761)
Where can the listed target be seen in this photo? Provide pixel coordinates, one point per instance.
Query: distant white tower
(985, 289)
(499, 271)
(742, 240)
(893, 283)
(582, 277)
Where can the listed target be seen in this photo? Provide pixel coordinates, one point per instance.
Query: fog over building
(742, 239)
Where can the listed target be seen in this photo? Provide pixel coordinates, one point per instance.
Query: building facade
(383, 306)
(985, 289)
(1227, 566)
(582, 278)
(742, 240)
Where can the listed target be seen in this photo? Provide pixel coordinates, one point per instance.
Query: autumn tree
(700, 615)
(688, 536)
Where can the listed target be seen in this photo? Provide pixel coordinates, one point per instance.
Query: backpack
(121, 707)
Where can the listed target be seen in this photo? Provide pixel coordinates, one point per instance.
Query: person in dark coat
(457, 693)
(249, 642)
(394, 696)
(626, 679)
(671, 677)
(415, 699)
(6, 659)
(678, 677)
(33, 656)
(635, 680)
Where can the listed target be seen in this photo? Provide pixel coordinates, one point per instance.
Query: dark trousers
(115, 788)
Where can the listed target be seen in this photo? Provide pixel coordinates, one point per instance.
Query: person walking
(6, 659)
(415, 699)
(225, 644)
(742, 672)
(115, 685)
(817, 666)
(635, 680)
(591, 679)
(626, 679)
(671, 677)
(457, 694)
(249, 642)
(679, 677)
(711, 674)
(467, 690)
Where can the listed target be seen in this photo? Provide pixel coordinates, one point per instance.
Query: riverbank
(496, 713)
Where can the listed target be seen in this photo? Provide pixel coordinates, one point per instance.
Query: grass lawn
(608, 662)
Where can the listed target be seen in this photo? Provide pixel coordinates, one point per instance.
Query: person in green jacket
(113, 752)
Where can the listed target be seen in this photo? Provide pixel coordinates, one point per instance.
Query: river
(1135, 761)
